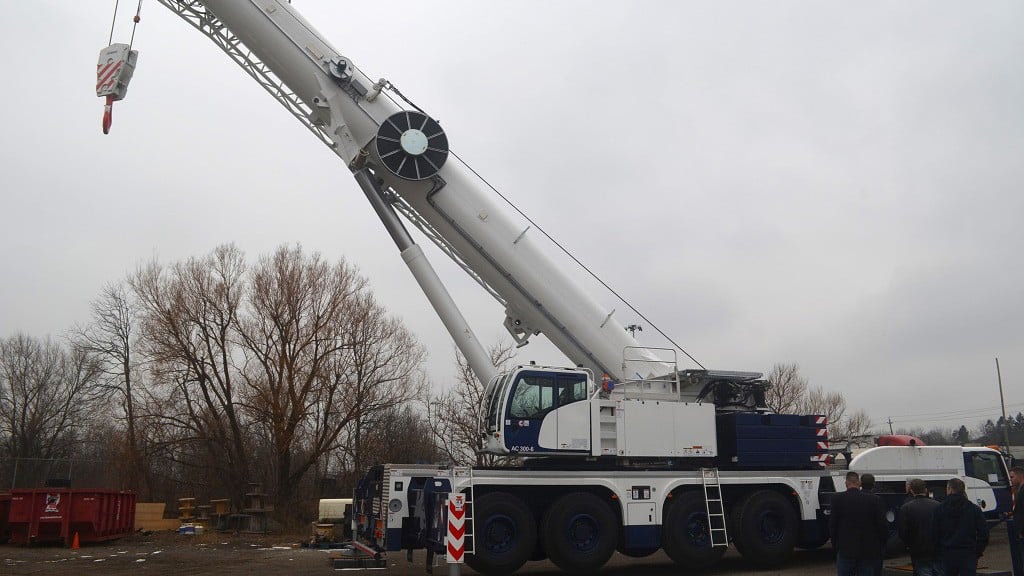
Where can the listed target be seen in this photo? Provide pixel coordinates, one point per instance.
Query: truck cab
(537, 410)
(987, 480)
(983, 471)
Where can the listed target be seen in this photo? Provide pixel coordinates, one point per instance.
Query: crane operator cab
(537, 410)
(533, 410)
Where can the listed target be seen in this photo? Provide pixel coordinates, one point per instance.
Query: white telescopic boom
(501, 249)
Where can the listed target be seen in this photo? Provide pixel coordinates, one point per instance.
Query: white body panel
(901, 463)
(332, 508)
(652, 428)
(899, 459)
(567, 428)
(639, 428)
(981, 493)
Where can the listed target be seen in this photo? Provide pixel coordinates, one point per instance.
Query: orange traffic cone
(74, 542)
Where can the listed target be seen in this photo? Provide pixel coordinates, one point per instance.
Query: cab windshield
(537, 393)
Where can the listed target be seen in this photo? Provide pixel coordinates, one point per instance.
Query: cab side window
(571, 388)
(533, 397)
(986, 466)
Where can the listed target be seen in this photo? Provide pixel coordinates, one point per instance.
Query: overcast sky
(832, 184)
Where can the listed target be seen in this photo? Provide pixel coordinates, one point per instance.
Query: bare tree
(271, 368)
(831, 405)
(321, 355)
(381, 370)
(45, 391)
(109, 339)
(788, 388)
(855, 428)
(455, 414)
(297, 307)
(402, 434)
(188, 314)
(790, 393)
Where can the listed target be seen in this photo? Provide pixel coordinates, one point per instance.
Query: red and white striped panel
(106, 76)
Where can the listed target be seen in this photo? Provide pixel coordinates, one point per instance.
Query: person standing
(961, 533)
(867, 484)
(915, 523)
(1015, 523)
(857, 528)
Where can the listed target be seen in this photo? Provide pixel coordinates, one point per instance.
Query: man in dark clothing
(1015, 523)
(961, 533)
(915, 522)
(867, 484)
(857, 527)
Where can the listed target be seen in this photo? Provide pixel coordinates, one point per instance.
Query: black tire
(686, 533)
(504, 532)
(580, 532)
(765, 528)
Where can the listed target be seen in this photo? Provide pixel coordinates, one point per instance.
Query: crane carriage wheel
(686, 534)
(412, 145)
(765, 528)
(505, 534)
(580, 532)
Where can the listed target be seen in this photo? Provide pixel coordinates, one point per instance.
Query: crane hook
(108, 114)
(113, 72)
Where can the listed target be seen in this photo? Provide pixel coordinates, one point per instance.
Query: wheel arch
(733, 493)
(539, 497)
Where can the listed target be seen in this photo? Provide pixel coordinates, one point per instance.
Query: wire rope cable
(135, 24)
(622, 299)
(577, 261)
(112, 22)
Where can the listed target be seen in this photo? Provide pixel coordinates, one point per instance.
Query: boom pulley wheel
(412, 145)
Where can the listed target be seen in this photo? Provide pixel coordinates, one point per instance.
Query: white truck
(622, 450)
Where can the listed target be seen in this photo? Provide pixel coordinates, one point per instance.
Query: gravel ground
(226, 555)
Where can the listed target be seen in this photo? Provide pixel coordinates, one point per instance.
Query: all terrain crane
(625, 450)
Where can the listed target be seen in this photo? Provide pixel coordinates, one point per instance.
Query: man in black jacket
(1015, 524)
(961, 533)
(858, 530)
(916, 525)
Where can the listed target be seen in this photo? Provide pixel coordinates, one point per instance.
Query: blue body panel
(393, 537)
(641, 538)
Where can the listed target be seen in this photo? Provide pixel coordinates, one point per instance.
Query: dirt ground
(230, 555)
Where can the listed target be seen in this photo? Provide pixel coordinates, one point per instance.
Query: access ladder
(714, 506)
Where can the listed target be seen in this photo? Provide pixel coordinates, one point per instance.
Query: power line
(956, 412)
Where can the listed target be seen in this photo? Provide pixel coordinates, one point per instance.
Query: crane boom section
(343, 101)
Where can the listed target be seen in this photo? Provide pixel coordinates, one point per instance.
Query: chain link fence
(60, 472)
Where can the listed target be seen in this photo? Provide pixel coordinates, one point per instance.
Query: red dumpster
(5, 504)
(40, 515)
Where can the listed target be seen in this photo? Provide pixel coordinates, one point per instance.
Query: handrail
(648, 355)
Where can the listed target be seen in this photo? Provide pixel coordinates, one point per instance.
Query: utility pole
(890, 425)
(1006, 423)
(634, 328)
